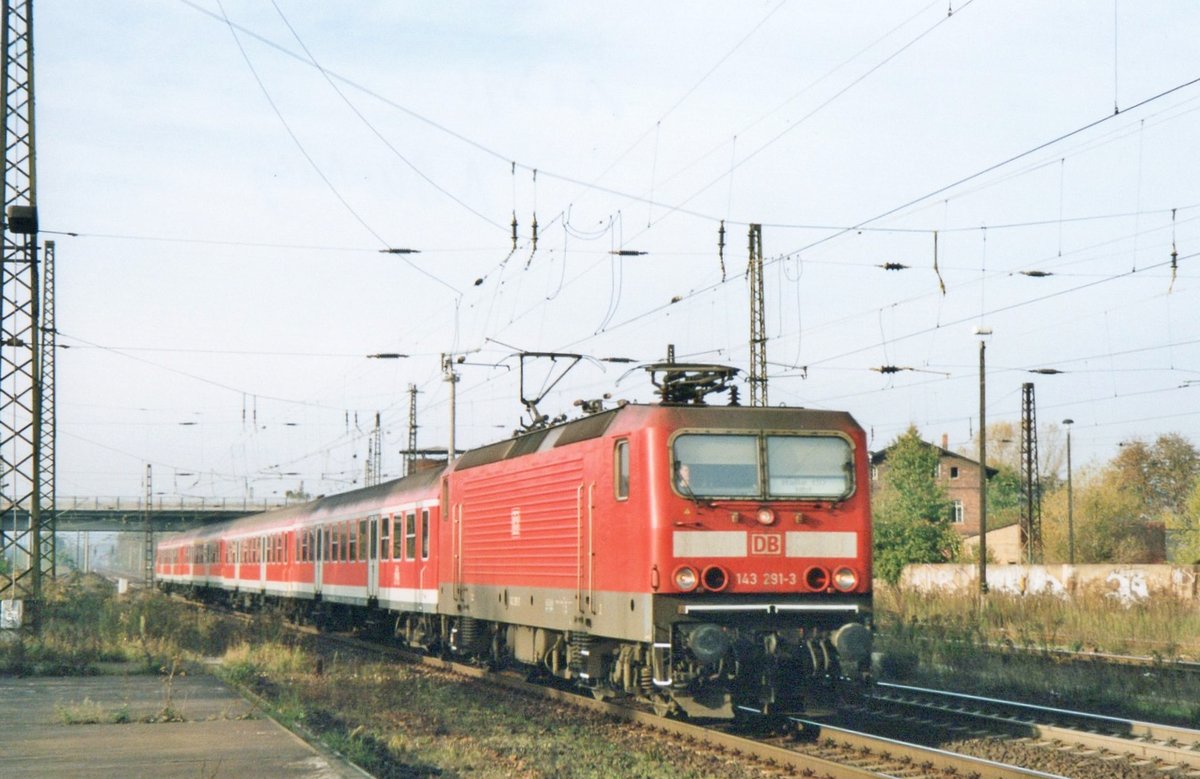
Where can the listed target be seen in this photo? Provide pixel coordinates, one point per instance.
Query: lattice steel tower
(1031, 515)
(410, 454)
(758, 328)
(375, 455)
(28, 536)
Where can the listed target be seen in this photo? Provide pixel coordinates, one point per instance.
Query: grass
(1003, 646)
(403, 721)
(392, 719)
(86, 626)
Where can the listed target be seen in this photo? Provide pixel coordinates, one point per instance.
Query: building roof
(881, 456)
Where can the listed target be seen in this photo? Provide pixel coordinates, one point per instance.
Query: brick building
(957, 474)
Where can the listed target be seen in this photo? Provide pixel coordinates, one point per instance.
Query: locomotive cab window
(717, 465)
(730, 465)
(621, 469)
(809, 466)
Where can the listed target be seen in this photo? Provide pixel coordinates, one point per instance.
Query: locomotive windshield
(714, 465)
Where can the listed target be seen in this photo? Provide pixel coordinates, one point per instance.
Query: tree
(1005, 493)
(1005, 501)
(1107, 528)
(1123, 508)
(1184, 531)
(1004, 451)
(297, 495)
(1162, 475)
(912, 511)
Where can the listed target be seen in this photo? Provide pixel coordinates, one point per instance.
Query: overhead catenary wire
(233, 29)
(374, 130)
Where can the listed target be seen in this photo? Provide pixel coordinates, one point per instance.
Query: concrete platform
(221, 735)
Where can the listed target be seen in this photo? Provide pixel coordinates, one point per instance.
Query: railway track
(1174, 665)
(941, 734)
(1164, 749)
(808, 748)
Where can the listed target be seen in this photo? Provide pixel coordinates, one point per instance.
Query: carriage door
(318, 557)
(373, 556)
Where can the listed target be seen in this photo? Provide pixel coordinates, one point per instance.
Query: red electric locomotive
(703, 558)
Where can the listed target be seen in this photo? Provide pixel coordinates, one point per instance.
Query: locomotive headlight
(685, 578)
(765, 516)
(845, 579)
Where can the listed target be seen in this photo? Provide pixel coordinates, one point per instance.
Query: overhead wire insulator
(514, 231)
(1174, 255)
(936, 270)
(721, 248)
(1036, 274)
(533, 241)
(893, 266)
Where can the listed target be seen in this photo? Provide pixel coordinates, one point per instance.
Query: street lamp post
(1070, 499)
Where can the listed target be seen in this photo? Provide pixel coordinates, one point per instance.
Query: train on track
(703, 558)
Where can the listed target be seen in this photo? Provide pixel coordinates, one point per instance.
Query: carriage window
(335, 541)
(385, 537)
(352, 542)
(410, 536)
(425, 534)
(621, 469)
(364, 540)
(716, 465)
(398, 537)
(809, 467)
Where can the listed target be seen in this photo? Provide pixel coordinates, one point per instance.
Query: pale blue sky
(221, 278)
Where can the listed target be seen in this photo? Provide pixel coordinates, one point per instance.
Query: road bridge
(167, 514)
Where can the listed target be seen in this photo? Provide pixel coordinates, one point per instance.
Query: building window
(958, 512)
(953, 471)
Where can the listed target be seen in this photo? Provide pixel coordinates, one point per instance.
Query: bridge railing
(167, 503)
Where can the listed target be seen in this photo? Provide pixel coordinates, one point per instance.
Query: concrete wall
(1124, 582)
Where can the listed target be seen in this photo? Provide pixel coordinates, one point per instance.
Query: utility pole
(982, 332)
(410, 456)
(1031, 519)
(32, 533)
(758, 329)
(1070, 499)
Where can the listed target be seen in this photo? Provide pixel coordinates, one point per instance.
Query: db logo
(771, 543)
